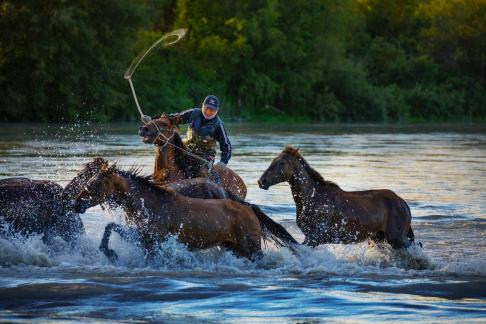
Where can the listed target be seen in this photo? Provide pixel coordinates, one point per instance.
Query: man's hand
(146, 119)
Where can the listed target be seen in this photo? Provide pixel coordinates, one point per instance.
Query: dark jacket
(208, 127)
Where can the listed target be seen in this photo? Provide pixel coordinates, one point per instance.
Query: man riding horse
(205, 129)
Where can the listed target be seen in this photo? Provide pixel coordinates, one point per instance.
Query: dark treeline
(327, 60)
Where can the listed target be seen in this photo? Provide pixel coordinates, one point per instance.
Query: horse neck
(137, 198)
(167, 167)
(304, 187)
(74, 187)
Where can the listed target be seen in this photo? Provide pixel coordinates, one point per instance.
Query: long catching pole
(166, 40)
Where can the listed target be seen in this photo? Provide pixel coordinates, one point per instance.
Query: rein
(167, 139)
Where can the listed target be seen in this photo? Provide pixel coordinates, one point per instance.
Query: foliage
(64, 59)
(277, 60)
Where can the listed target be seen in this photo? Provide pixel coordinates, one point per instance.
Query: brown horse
(197, 188)
(328, 214)
(206, 189)
(38, 206)
(173, 161)
(157, 211)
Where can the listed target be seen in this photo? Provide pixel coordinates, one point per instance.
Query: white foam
(173, 256)
(16, 250)
(467, 266)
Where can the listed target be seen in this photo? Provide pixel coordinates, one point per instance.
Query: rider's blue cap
(211, 102)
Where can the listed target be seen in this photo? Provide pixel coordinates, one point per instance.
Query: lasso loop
(166, 40)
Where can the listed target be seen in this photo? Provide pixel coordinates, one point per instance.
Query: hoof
(420, 244)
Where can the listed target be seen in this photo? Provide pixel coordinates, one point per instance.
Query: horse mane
(135, 173)
(181, 160)
(312, 172)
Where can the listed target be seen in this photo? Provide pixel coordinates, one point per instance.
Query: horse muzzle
(263, 184)
(147, 136)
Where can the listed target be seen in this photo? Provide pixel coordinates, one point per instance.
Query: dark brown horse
(173, 161)
(197, 188)
(43, 207)
(157, 211)
(328, 214)
(206, 189)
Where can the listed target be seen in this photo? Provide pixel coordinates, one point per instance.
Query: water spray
(166, 40)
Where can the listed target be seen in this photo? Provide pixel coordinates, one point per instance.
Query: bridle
(160, 133)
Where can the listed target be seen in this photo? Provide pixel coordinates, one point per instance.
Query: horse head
(98, 189)
(160, 130)
(281, 169)
(79, 181)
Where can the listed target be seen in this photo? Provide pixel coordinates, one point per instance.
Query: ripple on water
(439, 174)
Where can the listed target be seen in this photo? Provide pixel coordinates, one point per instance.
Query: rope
(159, 133)
(135, 97)
(179, 33)
(189, 153)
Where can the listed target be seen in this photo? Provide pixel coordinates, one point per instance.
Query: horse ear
(104, 163)
(174, 121)
(104, 167)
(112, 168)
(98, 160)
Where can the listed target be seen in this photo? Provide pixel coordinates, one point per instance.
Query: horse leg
(245, 243)
(110, 254)
(396, 237)
(248, 246)
(240, 250)
(411, 237)
(126, 233)
(398, 228)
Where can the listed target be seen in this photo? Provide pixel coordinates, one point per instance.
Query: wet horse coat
(43, 207)
(157, 211)
(172, 160)
(328, 214)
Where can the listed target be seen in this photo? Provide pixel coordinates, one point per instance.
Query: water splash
(339, 259)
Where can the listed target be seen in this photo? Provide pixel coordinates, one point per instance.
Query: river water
(440, 171)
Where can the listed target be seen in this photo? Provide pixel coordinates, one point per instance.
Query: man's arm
(224, 144)
(182, 118)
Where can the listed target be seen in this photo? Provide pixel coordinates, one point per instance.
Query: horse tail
(277, 232)
(270, 229)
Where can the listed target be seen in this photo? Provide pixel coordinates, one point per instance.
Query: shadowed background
(275, 60)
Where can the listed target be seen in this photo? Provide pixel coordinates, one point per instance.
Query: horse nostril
(262, 183)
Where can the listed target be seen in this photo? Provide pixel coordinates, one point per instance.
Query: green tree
(455, 35)
(63, 60)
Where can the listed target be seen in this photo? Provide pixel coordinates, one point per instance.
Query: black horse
(43, 207)
(328, 214)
